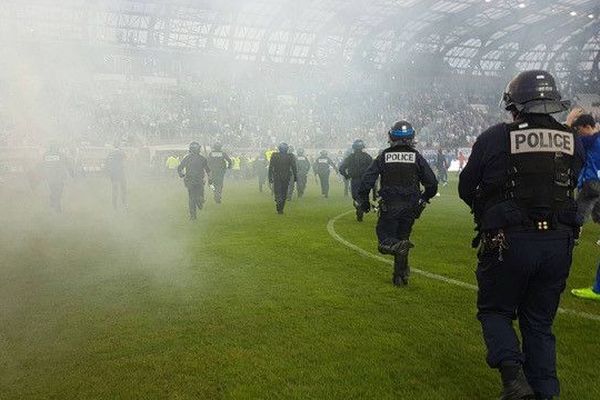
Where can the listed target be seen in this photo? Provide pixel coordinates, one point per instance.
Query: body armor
(539, 183)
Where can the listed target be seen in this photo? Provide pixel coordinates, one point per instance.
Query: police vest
(216, 160)
(323, 164)
(358, 163)
(399, 167)
(540, 176)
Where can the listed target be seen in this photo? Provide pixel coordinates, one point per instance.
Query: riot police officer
(55, 170)
(218, 163)
(195, 167)
(402, 170)
(353, 168)
(322, 168)
(303, 166)
(281, 168)
(519, 182)
(292, 185)
(261, 164)
(115, 168)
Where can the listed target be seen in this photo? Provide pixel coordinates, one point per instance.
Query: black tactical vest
(216, 161)
(399, 167)
(540, 178)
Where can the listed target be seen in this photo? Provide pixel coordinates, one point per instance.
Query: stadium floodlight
(591, 16)
(522, 5)
(573, 13)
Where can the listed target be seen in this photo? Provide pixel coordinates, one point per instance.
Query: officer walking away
(192, 169)
(261, 165)
(588, 199)
(290, 194)
(303, 166)
(352, 168)
(402, 170)
(346, 180)
(442, 167)
(115, 168)
(218, 163)
(519, 182)
(56, 168)
(281, 168)
(322, 169)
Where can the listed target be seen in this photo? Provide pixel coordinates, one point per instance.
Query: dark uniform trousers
(280, 191)
(324, 179)
(290, 194)
(217, 180)
(196, 198)
(395, 224)
(527, 285)
(346, 184)
(301, 184)
(354, 186)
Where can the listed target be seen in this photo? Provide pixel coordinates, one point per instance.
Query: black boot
(359, 215)
(515, 385)
(401, 270)
(400, 247)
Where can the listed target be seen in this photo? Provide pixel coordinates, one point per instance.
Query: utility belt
(386, 205)
(537, 225)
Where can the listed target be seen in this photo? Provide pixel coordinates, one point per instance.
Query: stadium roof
(482, 37)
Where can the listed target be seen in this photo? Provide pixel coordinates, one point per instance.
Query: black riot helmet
(358, 145)
(283, 147)
(195, 148)
(323, 153)
(217, 147)
(300, 151)
(402, 132)
(534, 92)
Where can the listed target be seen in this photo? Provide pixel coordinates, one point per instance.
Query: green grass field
(247, 304)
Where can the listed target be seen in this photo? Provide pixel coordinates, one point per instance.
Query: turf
(247, 304)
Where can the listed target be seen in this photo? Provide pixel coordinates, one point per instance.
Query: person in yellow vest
(172, 163)
(269, 153)
(236, 167)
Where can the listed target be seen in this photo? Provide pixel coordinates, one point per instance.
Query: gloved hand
(363, 206)
(419, 208)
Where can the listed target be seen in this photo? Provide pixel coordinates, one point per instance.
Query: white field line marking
(427, 274)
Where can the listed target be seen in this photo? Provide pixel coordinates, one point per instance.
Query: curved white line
(427, 274)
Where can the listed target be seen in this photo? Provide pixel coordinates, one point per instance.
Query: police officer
(290, 194)
(322, 168)
(441, 164)
(519, 182)
(56, 168)
(346, 180)
(195, 166)
(261, 165)
(303, 166)
(281, 168)
(115, 168)
(402, 170)
(353, 168)
(218, 163)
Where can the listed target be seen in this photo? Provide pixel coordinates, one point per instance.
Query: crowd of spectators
(257, 117)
